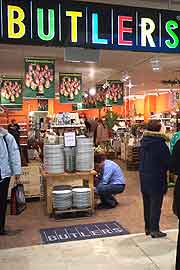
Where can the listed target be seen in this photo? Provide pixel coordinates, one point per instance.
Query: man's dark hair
(154, 125)
(99, 158)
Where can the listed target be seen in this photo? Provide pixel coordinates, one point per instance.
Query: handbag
(18, 201)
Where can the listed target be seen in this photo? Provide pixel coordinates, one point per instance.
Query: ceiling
(112, 65)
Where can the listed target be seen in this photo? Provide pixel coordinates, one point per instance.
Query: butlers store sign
(89, 25)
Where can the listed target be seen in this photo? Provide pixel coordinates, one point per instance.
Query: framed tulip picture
(42, 105)
(11, 92)
(39, 78)
(114, 92)
(70, 88)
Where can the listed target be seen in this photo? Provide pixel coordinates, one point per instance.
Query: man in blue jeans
(111, 181)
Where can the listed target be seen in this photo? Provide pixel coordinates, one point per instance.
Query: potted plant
(111, 118)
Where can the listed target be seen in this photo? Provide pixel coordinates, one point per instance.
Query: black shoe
(158, 234)
(100, 206)
(105, 206)
(9, 233)
(3, 232)
(147, 232)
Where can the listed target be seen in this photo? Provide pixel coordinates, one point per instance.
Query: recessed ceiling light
(92, 72)
(92, 91)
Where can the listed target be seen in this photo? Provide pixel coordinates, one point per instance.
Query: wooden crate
(31, 180)
(132, 158)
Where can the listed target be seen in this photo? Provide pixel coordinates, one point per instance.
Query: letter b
(12, 21)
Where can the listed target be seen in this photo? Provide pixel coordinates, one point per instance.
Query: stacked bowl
(84, 154)
(54, 158)
(81, 197)
(62, 197)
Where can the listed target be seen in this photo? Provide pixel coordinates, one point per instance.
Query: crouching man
(111, 181)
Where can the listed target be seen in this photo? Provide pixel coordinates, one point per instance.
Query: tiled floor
(131, 252)
(129, 214)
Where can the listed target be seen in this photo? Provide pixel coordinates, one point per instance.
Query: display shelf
(52, 180)
(44, 173)
(67, 126)
(72, 210)
(160, 118)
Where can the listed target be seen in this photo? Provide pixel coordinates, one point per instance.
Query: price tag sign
(69, 139)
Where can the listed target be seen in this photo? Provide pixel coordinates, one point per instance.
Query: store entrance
(57, 102)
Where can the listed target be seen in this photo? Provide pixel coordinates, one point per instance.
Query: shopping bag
(18, 201)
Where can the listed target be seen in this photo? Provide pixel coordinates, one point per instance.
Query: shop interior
(151, 91)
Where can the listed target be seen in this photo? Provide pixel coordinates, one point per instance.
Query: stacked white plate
(62, 198)
(84, 154)
(54, 158)
(81, 197)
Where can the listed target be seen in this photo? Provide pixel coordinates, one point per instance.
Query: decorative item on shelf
(54, 158)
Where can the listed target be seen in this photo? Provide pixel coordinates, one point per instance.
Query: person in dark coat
(154, 163)
(175, 166)
(14, 130)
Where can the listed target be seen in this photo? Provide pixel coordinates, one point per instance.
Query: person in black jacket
(176, 203)
(154, 163)
(14, 129)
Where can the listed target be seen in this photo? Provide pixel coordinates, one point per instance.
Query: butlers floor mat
(82, 232)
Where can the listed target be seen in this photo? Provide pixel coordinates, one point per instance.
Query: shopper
(10, 164)
(154, 163)
(87, 124)
(176, 203)
(111, 181)
(175, 138)
(101, 133)
(14, 129)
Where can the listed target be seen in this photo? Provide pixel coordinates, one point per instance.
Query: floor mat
(82, 232)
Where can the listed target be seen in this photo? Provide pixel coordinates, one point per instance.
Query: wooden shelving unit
(52, 180)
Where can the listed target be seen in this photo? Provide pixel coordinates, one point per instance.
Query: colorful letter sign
(89, 25)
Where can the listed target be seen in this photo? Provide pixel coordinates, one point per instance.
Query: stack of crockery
(84, 154)
(70, 159)
(54, 158)
(81, 197)
(62, 197)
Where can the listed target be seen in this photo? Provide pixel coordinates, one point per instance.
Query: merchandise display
(70, 159)
(70, 111)
(84, 154)
(66, 197)
(54, 158)
(81, 197)
(58, 158)
(62, 198)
